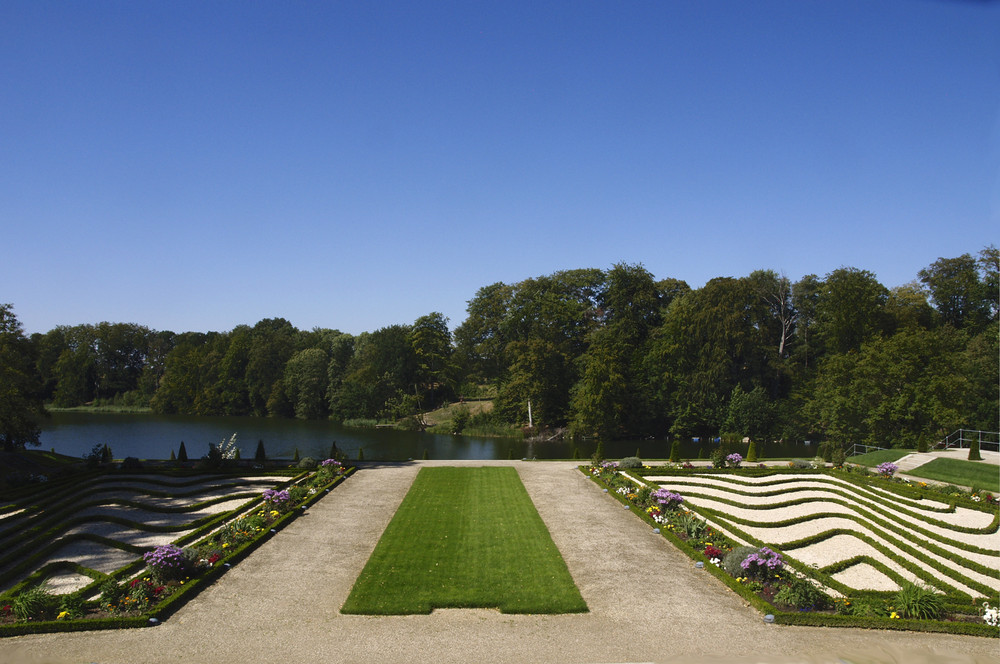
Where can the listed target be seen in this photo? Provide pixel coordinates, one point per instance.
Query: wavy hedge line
(954, 599)
(181, 595)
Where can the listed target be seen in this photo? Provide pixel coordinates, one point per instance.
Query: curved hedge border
(806, 618)
(180, 596)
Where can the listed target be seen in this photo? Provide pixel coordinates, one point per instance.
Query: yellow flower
(893, 615)
(62, 615)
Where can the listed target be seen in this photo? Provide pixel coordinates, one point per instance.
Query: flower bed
(150, 589)
(691, 509)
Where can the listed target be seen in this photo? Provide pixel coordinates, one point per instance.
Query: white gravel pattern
(841, 547)
(865, 576)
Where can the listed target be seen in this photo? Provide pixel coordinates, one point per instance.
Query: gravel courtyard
(647, 601)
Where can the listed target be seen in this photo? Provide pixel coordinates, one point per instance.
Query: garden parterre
(108, 551)
(849, 544)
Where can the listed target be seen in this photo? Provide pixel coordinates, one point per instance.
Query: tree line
(600, 353)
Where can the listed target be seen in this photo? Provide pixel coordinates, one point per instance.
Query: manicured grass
(878, 456)
(465, 538)
(963, 473)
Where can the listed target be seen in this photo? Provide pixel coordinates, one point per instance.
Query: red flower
(134, 583)
(158, 590)
(7, 609)
(712, 552)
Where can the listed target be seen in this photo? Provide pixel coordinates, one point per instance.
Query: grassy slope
(873, 459)
(465, 538)
(963, 473)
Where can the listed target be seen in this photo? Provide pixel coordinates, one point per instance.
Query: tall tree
(21, 408)
(305, 382)
(272, 342)
(850, 309)
(430, 340)
(959, 289)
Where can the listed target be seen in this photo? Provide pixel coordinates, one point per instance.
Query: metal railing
(858, 448)
(963, 438)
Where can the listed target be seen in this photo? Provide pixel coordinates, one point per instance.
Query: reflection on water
(155, 436)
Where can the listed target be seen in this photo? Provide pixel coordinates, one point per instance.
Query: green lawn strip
(465, 538)
(873, 459)
(963, 473)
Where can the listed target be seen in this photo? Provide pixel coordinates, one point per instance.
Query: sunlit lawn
(465, 538)
(963, 473)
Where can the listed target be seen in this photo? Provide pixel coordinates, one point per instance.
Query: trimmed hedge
(954, 601)
(180, 596)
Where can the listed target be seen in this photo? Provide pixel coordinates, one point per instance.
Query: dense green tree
(379, 379)
(540, 373)
(481, 341)
(21, 409)
(850, 309)
(272, 342)
(894, 391)
(305, 383)
(430, 340)
(750, 414)
(958, 292)
(805, 295)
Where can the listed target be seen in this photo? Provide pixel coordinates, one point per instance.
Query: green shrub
(801, 594)
(630, 462)
(838, 458)
(131, 463)
(718, 458)
(752, 452)
(918, 602)
(307, 463)
(73, 605)
(799, 463)
(731, 563)
(691, 525)
(260, 456)
(868, 607)
(460, 419)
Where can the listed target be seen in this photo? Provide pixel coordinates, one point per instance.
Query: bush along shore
(935, 589)
(167, 576)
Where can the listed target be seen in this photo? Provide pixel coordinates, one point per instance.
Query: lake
(148, 436)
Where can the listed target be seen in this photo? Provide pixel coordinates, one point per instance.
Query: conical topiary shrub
(675, 451)
(182, 453)
(260, 456)
(295, 456)
(752, 452)
(361, 454)
(974, 454)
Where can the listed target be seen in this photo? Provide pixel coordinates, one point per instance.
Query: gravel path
(647, 602)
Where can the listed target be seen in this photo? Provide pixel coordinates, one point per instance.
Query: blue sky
(193, 166)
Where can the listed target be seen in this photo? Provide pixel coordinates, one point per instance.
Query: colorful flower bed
(791, 592)
(152, 588)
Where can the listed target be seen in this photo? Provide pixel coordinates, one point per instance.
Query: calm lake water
(155, 436)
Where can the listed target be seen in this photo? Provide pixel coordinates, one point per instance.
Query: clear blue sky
(193, 166)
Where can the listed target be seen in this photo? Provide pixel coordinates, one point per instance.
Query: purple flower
(764, 563)
(276, 498)
(734, 460)
(886, 469)
(667, 499)
(165, 557)
(330, 462)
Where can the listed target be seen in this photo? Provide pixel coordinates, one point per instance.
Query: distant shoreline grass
(465, 538)
(101, 409)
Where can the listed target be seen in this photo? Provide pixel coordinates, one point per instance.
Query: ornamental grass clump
(886, 469)
(630, 462)
(918, 602)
